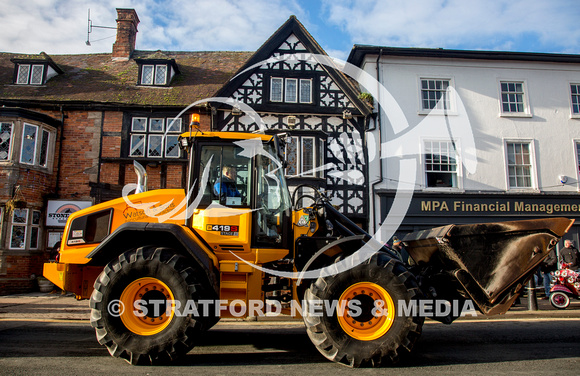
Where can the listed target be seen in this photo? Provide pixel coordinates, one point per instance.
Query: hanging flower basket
(16, 202)
(367, 97)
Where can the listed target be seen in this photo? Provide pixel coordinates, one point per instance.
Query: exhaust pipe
(141, 177)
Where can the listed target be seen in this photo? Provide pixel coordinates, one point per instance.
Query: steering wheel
(318, 198)
(302, 197)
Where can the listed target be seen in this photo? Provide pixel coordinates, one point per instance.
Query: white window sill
(437, 112)
(29, 85)
(139, 86)
(515, 115)
(523, 190)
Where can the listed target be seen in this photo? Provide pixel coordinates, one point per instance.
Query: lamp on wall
(346, 114)
(563, 179)
(236, 110)
(291, 121)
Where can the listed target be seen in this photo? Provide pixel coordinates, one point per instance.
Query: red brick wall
(153, 177)
(79, 166)
(174, 174)
(19, 269)
(80, 153)
(110, 173)
(130, 176)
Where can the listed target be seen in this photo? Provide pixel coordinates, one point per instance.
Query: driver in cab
(225, 186)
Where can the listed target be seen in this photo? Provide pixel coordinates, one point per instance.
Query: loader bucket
(491, 261)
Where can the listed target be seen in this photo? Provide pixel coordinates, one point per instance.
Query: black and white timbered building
(316, 104)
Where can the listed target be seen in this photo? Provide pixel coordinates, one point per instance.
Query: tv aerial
(90, 27)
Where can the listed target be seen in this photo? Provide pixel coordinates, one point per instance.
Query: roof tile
(96, 78)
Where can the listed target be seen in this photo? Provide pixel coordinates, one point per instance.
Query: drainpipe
(100, 148)
(373, 186)
(61, 139)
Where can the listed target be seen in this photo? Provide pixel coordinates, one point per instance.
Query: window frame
(24, 124)
(41, 74)
(161, 150)
(574, 115)
(300, 157)
(525, 99)
(29, 74)
(154, 72)
(288, 92)
(165, 74)
(10, 141)
(309, 80)
(144, 130)
(275, 100)
(576, 143)
(458, 164)
(142, 77)
(36, 226)
(46, 153)
(143, 127)
(176, 147)
(314, 156)
(452, 110)
(14, 224)
(144, 138)
(297, 91)
(533, 165)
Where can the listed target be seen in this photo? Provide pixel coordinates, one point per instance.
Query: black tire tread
(170, 351)
(317, 331)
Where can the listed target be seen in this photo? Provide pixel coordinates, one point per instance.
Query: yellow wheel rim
(375, 316)
(150, 321)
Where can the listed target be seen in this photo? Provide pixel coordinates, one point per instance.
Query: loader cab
(239, 195)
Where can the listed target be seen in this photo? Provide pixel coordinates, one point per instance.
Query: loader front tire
(130, 306)
(373, 332)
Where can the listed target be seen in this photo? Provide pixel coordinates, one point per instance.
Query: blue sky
(60, 26)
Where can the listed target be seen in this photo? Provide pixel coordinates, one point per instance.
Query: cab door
(223, 217)
(272, 203)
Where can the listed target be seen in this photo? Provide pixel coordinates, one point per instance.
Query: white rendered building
(502, 143)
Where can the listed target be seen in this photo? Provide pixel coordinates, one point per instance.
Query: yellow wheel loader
(160, 267)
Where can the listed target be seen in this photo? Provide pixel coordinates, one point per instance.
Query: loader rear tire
(364, 337)
(153, 335)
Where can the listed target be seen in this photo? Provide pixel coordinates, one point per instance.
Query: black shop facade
(429, 210)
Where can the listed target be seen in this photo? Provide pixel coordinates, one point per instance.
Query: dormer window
(154, 74)
(30, 74)
(34, 69)
(156, 70)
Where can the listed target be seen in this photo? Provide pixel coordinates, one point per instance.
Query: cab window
(273, 200)
(224, 175)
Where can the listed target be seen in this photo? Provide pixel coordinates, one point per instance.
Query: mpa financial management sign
(498, 206)
(57, 211)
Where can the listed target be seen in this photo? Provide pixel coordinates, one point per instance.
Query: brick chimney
(127, 22)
